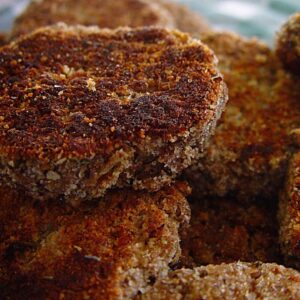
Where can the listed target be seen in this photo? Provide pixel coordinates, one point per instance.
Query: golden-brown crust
(229, 281)
(108, 250)
(226, 231)
(289, 215)
(288, 44)
(249, 152)
(85, 109)
(102, 13)
(67, 90)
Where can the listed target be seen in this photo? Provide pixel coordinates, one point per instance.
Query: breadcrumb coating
(288, 44)
(110, 14)
(225, 231)
(229, 281)
(249, 153)
(289, 216)
(102, 13)
(85, 109)
(106, 250)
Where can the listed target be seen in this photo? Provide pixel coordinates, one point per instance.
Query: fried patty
(229, 281)
(103, 13)
(111, 250)
(288, 44)
(3, 39)
(289, 216)
(249, 153)
(185, 19)
(226, 231)
(84, 109)
(110, 14)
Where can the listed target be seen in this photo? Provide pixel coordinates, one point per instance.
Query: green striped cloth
(260, 18)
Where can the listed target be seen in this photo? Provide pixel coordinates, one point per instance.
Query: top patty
(103, 13)
(110, 14)
(83, 109)
(249, 152)
(288, 44)
(228, 282)
(107, 250)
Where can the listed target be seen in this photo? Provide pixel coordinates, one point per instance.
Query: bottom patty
(225, 231)
(249, 153)
(289, 216)
(125, 107)
(229, 281)
(109, 250)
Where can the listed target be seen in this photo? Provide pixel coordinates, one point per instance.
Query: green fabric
(261, 18)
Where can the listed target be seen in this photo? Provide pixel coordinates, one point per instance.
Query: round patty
(106, 250)
(288, 44)
(103, 13)
(84, 109)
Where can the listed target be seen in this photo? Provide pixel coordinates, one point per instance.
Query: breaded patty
(225, 231)
(229, 281)
(103, 13)
(109, 250)
(288, 44)
(249, 152)
(289, 215)
(84, 109)
(3, 39)
(185, 19)
(110, 14)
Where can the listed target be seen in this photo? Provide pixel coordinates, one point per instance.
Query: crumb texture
(249, 153)
(229, 281)
(102, 13)
(109, 250)
(139, 105)
(226, 231)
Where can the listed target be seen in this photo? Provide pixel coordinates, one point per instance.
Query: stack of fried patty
(116, 174)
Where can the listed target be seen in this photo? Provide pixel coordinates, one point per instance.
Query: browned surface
(225, 231)
(3, 37)
(249, 152)
(288, 44)
(289, 215)
(99, 251)
(103, 13)
(227, 282)
(89, 95)
(185, 19)
(122, 86)
(110, 14)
